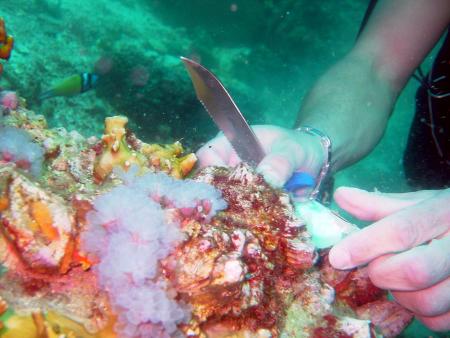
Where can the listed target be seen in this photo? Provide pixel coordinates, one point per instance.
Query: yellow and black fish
(73, 85)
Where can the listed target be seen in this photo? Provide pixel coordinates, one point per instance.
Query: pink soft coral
(9, 100)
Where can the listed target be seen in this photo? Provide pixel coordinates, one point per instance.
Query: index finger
(215, 152)
(400, 231)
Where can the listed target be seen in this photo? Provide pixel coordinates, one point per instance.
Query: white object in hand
(325, 227)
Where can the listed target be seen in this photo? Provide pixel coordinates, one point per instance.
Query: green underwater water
(266, 52)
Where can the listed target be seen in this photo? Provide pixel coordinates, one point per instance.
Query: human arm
(352, 101)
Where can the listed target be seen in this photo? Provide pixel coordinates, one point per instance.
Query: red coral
(388, 316)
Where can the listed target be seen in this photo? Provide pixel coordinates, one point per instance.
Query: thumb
(291, 152)
(283, 158)
(276, 169)
(372, 206)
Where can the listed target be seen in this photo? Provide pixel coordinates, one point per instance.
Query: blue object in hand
(299, 180)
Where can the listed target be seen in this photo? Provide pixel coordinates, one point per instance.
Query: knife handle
(299, 180)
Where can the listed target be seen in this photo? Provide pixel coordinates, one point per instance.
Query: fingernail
(339, 259)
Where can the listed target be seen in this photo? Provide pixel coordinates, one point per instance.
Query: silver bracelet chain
(326, 145)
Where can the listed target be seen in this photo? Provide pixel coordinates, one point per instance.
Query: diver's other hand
(407, 248)
(286, 151)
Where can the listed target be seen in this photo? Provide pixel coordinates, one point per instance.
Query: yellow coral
(116, 151)
(166, 158)
(52, 325)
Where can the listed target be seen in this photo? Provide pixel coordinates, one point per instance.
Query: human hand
(407, 249)
(286, 151)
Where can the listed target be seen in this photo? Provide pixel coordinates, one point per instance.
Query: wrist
(317, 155)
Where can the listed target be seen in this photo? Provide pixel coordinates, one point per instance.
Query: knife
(225, 113)
(228, 118)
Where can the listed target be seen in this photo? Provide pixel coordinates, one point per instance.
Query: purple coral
(9, 100)
(17, 146)
(129, 233)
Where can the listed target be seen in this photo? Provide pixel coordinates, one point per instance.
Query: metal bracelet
(326, 145)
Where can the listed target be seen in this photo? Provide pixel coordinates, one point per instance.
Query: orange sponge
(6, 44)
(6, 48)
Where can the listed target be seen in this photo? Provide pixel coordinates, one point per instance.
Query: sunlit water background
(266, 52)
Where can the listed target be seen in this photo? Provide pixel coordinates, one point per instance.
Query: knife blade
(228, 118)
(225, 113)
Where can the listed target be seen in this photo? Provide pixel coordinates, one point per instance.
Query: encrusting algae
(104, 243)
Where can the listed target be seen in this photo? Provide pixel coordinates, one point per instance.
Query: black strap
(369, 10)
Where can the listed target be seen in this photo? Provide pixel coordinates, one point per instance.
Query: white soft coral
(129, 233)
(17, 146)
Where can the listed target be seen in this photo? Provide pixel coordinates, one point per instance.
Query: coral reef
(40, 228)
(237, 270)
(138, 253)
